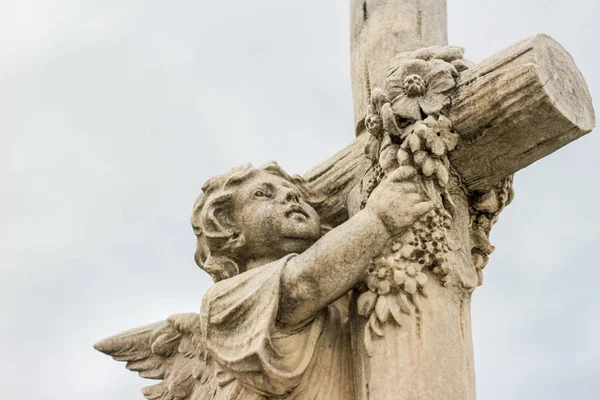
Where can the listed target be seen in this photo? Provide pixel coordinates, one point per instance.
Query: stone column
(430, 357)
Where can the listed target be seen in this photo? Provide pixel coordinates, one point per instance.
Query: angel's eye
(260, 193)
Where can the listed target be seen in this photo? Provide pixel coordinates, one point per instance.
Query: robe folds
(257, 359)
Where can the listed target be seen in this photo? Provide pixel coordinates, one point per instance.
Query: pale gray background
(113, 113)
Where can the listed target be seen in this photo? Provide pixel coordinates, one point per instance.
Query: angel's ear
(221, 267)
(218, 219)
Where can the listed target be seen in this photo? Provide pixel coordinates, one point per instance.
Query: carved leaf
(442, 173)
(404, 304)
(421, 279)
(382, 308)
(368, 340)
(461, 65)
(419, 156)
(379, 98)
(375, 325)
(428, 166)
(366, 302)
(395, 309)
(402, 156)
(414, 142)
(389, 120)
(438, 148)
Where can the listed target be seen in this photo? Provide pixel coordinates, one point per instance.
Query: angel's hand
(399, 200)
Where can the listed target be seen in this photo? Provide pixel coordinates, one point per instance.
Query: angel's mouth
(296, 210)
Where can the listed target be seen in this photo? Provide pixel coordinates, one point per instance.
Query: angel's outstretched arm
(338, 261)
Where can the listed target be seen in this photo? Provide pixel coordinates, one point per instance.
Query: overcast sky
(113, 114)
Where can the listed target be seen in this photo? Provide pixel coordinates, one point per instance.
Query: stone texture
(516, 107)
(355, 281)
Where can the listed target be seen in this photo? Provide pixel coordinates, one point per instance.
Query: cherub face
(274, 217)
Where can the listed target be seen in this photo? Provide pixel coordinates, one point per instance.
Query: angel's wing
(170, 350)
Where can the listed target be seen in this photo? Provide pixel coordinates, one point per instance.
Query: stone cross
(378, 307)
(510, 110)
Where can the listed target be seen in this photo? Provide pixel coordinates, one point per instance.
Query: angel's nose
(291, 196)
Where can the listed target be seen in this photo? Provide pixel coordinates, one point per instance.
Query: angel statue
(275, 323)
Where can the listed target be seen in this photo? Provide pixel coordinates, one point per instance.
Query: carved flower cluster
(408, 126)
(396, 278)
(484, 211)
(429, 142)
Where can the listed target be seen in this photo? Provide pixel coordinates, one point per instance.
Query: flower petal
(389, 120)
(461, 65)
(407, 107)
(450, 139)
(446, 53)
(431, 122)
(428, 166)
(388, 158)
(432, 103)
(439, 80)
(410, 286)
(413, 67)
(402, 156)
(438, 147)
(444, 123)
(407, 251)
(394, 86)
(378, 98)
(437, 63)
(414, 142)
(384, 288)
(450, 53)
(399, 277)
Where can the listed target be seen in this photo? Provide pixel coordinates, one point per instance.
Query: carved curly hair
(217, 236)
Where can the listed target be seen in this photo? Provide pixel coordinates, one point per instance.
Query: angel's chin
(296, 244)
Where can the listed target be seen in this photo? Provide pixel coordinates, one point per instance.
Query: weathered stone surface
(355, 281)
(516, 107)
(512, 109)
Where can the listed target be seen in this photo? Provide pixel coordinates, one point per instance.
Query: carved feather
(170, 350)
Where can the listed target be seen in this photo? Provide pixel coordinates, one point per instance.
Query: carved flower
(373, 119)
(418, 85)
(379, 273)
(438, 135)
(410, 276)
(430, 141)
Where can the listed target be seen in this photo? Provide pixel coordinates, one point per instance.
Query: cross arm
(512, 109)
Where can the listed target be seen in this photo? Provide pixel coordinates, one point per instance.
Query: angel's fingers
(404, 187)
(422, 208)
(403, 173)
(412, 198)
